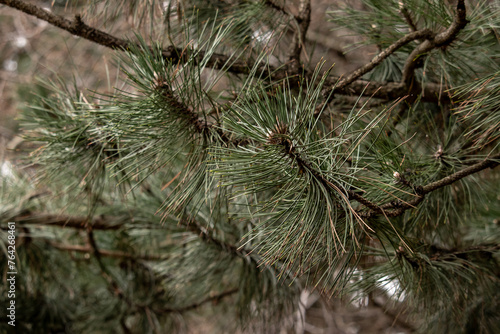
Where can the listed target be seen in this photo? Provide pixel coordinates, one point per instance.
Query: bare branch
(442, 39)
(407, 17)
(303, 19)
(490, 162)
(273, 4)
(213, 299)
(107, 253)
(394, 209)
(114, 287)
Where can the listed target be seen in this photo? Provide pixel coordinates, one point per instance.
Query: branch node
(419, 190)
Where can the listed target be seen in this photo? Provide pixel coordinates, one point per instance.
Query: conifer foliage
(226, 174)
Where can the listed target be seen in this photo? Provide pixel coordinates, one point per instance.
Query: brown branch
(397, 208)
(408, 18)
(114, 287)
(350, 78)
(439, 40)
(34, 218)
(107, 253)
(76, 27)
(102, 223)
(197, 229)
(389, 91)
(431, 93)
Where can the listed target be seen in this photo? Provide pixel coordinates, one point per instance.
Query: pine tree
(227, 175)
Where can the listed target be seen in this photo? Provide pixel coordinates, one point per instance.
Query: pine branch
(445, 255)
(103, 223)
(119, 292)
(213, 299)
(78, 28)
(200, 125)
(392, 209)
(192, 118)
(303, 19)
(108, 253)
